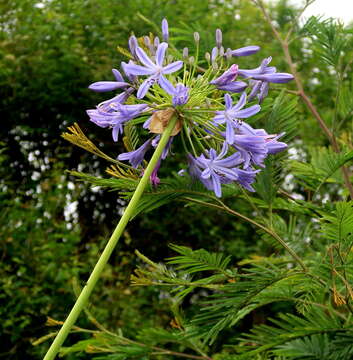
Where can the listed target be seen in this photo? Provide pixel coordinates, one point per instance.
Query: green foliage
(324, 168)
(281, 119)
(225, 275)
(329, 40)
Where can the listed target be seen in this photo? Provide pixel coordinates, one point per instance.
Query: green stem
(86, 291)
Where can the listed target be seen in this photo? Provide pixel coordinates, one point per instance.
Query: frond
(323, 168)
(131, 137)
(263, 283)
(328, 39)
(337, 227)
(121, 184)
(191, 261)
(290, 330)
(77, 137)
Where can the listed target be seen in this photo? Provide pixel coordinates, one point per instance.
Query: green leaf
(192, 261)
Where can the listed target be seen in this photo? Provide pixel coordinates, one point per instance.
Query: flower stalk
(97, 271)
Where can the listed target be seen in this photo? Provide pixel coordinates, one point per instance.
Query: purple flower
(246, 178)
(180, 93)
(154, 179)
(266, 73)
(225, 81)
(107, 105)
(228, 76)
(255, 144)
(103, 86)
(116, 115)
(232, 113)
(214, 169)
(245, 51)
(263, 91)
(132, 78)
(166, 149)
(273, 146)
(253, 149)
(155, 71)
(136, 157)
(234, 86)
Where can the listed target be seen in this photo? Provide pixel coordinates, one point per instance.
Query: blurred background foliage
(51, 226)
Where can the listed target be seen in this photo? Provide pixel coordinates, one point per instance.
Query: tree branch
(301, 92)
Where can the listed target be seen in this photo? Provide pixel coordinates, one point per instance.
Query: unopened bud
(147, 41)
(208, 57)
(165, 30)
(219, 38)
(229, 54)
(221, 51)
(214, 54)
(132, 44)
(196, 36)
(191, 59)
(185, 52)
(156, 41)
(170, 58)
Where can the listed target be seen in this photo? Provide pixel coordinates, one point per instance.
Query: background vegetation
(52, 226)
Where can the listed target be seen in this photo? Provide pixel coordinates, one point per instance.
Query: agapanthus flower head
(221, 148)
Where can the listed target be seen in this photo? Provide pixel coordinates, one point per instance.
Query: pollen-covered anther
(160, 120)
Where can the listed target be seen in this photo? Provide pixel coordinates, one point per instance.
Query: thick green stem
(86, 291)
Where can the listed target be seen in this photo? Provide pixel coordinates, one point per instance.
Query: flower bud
(196, 37)
(165, 30)
(208, 57)
(156, 41)
(133, 44)
(185, 52)
(219, 38)
(214, 54)
(229, 54)
(246, 51)
(147, 41)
